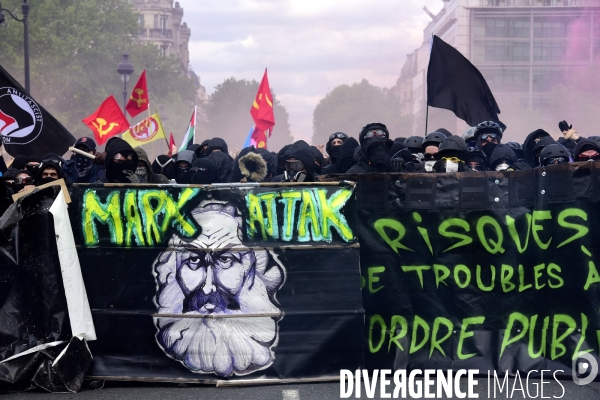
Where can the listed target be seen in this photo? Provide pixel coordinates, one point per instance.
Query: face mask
(488, 149)
(502, 167)
(429, 165)
(379, 158)
(82, 164)
(204, 178)
(142, 174)
(115, 172)
(43, 181)
(294, 176)
(183, 177)
(334, 152)
(451, 166)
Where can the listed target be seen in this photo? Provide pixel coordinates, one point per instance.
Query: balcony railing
(156, 33)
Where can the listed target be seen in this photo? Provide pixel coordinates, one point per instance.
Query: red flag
(107, 121)
(262, 107)
(139, 100)
(172, 145)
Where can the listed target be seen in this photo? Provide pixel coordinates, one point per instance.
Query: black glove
(564, 126)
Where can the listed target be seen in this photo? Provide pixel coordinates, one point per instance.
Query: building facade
(523, 48)
(161, 24)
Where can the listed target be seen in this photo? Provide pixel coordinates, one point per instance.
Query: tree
(348, 108)
(75, 46)
(227, 115)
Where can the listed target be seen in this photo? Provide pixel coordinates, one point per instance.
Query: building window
(507, 80)
(141, 23)
(491, 51)
(163, 51)
(155, 21)
(163, 25)
(501, 27)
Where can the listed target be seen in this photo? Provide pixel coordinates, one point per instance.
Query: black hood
(587, 144)
(211, 175)
(529, 144)
(502, 151)
(328, 145)
(118, 145)
(271, 162)
(19, 162)
(346, 157)
(46, 165)
(165, 165)
(460, 144)
(217, 143)
(302, 152)
(544, 141)
(224, 165)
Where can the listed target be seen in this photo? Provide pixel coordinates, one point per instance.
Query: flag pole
(426, 118)
(163, 128)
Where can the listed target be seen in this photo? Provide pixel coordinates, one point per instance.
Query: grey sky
(309, 46)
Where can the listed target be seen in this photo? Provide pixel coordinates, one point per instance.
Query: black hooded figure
(345, 158)
(488, 135)
(334, 151)
(299, 164)
(453, 154)
(204, 172)
(476, 160)
(319, 159)
(530, 141)
(164, 165)
(280, 157)
(539, 146)
(586, 150)
(271, 161)
(49, 165)
(224, 164)
(373, 155)
(503, 158)
(122, 170)
(183, 165)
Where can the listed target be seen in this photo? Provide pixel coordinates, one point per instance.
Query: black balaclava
(19, 162)
(16, 187)
(334, 151)
(488, 149)
(33, 170)
(204, 172)
(119, 172)
(165, 165)
(307, 157)
(346, 159)
(184, 176)
(377, 154)
(318, 157)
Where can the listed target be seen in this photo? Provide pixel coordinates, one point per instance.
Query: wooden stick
(81, 152)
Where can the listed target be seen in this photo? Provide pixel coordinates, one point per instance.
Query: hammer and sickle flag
(138, 101)
(262, 107)
(107, 121)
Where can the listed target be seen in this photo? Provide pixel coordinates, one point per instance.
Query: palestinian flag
(188, 140)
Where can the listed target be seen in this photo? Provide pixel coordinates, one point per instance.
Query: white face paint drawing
(210, 284)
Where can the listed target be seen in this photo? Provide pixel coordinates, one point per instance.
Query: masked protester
(333, 146)
(476, 160)
(298, 166)
(120, 163)
(503, 158)
(251, 166)
(452, 153)
(488, 135)
(319, 159)
(539, 147)
(530, 142)
(518, 149)
(586, 150)
(33, 164)
(49, 171)
(430, 146)
(224, 165)
(164, 165)
(8, 178)
(144, 171)
(205, 172)
(23, 181)
(202, 152)
(81, 169)
(183, 165)
(280, 160)
(373, 154)
(19, 162)
(554, 154)
(469, 137)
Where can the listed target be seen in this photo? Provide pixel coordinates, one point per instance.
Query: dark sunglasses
(379, 133)
(200, 170)
(592, 158)
(294, 165)
(430, 157)
(342, 136)
(556, 160)
(23, 181)
(489, 135)
(476, 167)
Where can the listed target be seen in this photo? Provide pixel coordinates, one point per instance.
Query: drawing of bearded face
(204, 292)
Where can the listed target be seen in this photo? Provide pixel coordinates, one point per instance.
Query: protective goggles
(556, 160)
(120, 158)
(53, 161)
(23, 181)
(201, 170)
(484, 136)
(294, 165)
(378, 133)
(340, 135)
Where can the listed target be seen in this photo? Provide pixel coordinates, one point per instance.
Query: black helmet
(487, 127)
(433, 139)
(374, 126)
(454, 146)
(469, 134)
(553, 151)
(414, 143)
(517, 148)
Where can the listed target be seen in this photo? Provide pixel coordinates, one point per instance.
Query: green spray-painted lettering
(512, 230)
(581, 230)
(459, 223)
(492, 246)
(464, 334)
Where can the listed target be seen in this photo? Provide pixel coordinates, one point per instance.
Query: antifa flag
(457, 85)
(26, 128)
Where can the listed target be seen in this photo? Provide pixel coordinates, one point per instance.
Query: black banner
(195, 284)
(494, 271)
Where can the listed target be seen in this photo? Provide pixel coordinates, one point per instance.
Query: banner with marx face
(204, 283)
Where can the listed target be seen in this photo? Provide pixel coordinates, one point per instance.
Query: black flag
(25, 127)
(457, 85)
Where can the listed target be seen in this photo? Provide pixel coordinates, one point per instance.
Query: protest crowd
(480, 148)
